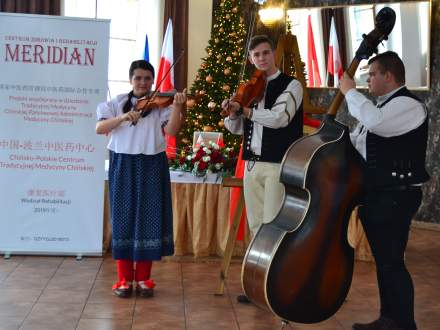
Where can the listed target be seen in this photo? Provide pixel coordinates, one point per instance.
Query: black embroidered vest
(397, 160)
(275, 142)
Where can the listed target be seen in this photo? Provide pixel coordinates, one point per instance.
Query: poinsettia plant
(207, 158)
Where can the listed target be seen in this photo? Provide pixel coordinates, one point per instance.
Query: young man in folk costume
(392, 138)
(269, 128)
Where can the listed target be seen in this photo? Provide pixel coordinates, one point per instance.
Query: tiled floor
(62, 293)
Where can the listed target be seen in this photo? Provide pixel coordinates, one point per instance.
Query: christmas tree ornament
(212, 105)
(221, 123)
(209, 79)
(200, 116)
(227, 71)
(221, 30)
(208, 128)
(235, 10)
(216, 40)
(228, 16)
(229, 59)
(226, 88)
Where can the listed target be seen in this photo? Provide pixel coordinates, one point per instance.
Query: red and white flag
(334, 63)
(312, 60)
(166, 60)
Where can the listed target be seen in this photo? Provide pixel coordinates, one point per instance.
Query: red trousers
(127, 271)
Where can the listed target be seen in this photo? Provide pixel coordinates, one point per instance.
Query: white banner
(53, 73)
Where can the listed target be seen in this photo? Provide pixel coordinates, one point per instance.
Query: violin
(156, 100)
(249, 92)
(160, 100)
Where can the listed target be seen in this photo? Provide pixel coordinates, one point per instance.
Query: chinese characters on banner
(53, 74)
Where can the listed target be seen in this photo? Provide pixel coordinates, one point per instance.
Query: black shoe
(122, 290)
(242, 298)
(382, 323)
(145, 288)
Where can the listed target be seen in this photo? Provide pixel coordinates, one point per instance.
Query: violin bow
(250, 31)
(249, 36)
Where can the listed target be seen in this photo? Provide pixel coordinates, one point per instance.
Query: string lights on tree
(218, 75)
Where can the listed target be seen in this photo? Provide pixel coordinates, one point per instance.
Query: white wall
(199, 33)
(151, 10)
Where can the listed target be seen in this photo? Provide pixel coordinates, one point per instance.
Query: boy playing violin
(269, 128)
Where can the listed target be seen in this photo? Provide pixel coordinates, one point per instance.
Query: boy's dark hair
(259, 39)
(140, 64)
(390, 62)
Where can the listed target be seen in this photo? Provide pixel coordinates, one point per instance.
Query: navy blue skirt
(140, 205)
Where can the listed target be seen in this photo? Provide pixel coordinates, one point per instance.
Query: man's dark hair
(140, 64)
(390, 62)
(259, 39)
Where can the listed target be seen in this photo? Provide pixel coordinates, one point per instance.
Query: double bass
(300, 265)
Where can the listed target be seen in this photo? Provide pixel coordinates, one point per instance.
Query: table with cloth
(201, 219)
(200, 216)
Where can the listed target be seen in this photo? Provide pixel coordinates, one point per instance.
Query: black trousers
(386, 217)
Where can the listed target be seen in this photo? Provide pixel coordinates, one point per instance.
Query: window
(131, 21)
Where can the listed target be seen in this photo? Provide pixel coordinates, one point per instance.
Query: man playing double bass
(392, 138)
(269, 128)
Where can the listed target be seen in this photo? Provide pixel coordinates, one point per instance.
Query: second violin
(249, 92)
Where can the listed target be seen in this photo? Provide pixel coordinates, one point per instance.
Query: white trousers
(263, 193)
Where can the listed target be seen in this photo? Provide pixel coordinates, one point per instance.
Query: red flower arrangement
(205, 159)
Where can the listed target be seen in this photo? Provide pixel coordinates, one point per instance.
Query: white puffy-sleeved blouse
(146, 137)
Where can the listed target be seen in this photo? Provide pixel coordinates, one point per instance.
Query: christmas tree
(218, 75)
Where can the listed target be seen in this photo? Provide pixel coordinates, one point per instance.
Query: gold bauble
(229, 59)
(202, 92)
(221, 30)
(212, 105)
(200, 116)
(216, 40)
(221, 123)
(203, 65)
(235, 10)
(185, 140)
(232, 34)
(234, 53)
(219, 56)
(209, 79)
(207, 128)
(226, 88)
(227, 71)
(190, 103)
(228, 16)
